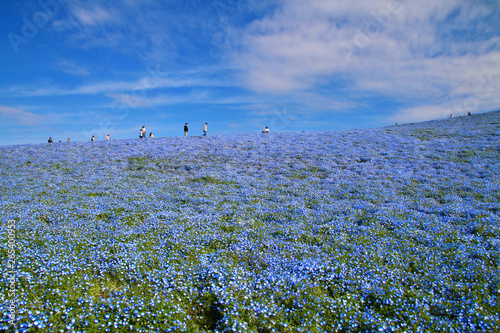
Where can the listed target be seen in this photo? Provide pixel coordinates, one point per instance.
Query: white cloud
(142, 100)
(152, 80)
(92, 17)
(10, 115)
(73, 68)
(91, 24)
(92, 14)
(401, 50)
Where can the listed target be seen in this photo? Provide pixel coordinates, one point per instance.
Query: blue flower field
(391, 229)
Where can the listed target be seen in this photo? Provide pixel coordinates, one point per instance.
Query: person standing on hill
(50, 140)
(186, 130)
(107, 137)
(142, 133)
(205, 129)
(92, 138)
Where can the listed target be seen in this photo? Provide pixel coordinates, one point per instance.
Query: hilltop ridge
(476, 119)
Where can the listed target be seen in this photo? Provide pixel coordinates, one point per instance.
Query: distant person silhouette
(205, 129)
(50, 140)
(92, 138)
(186, 130)
(266, 130)
(151, 135)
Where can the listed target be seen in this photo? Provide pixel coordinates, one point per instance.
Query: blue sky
(75, 69)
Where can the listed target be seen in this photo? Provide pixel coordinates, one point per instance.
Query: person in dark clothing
(186, 129)
(50, 140)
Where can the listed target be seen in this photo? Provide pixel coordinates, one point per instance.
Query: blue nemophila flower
(394, 228)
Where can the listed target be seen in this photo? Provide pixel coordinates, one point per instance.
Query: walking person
(142, 132)
(107, 137)
(186, 130)
(92, 138)
(205, 129)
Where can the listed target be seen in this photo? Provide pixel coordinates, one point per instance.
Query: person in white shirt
(151, 135)
(205, 129)
(266, 130)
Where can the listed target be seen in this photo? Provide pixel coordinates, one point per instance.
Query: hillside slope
(349, 231)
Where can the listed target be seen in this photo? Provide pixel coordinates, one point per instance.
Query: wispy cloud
(91, 24)
(145, 83)
(92, 15)
(73, 68)
(398, 49)
(162, 99)
(10, 115)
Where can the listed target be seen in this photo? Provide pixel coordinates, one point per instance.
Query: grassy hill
(348, 231)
